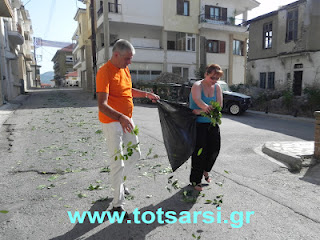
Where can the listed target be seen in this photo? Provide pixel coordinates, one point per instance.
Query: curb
(295, 154)
(293, 162)
(287, 117)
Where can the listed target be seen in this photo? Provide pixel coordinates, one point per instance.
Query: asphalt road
(52, 160)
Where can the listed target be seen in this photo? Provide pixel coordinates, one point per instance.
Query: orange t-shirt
(117, 83)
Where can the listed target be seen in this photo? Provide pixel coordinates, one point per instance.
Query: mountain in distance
(46, 77)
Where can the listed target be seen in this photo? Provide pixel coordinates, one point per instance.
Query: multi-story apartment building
(175, 35)
(16, 47)
(82, 53)
(62, 64)
(284, 47)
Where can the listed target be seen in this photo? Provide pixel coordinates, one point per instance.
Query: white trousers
(117, 142)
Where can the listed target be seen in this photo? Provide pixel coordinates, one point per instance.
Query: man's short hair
(122, 46)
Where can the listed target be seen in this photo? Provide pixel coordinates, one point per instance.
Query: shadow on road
(312, 175)
(303, 130)
(86, 226)
(140, 231)
(133, 230)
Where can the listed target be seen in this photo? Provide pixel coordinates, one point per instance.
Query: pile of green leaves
(215, 114)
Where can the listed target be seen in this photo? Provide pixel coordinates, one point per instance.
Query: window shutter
(222, 46)
(180, 7)
(224, 14)
(207, 46)
(207, 12)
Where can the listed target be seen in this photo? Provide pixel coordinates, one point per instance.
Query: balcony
(217, 23)
(28, 57)
(77, 63)
(113, 8)
(5, 9)
(15, 38)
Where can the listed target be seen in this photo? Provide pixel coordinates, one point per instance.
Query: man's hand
(153, 97)
(126, 124)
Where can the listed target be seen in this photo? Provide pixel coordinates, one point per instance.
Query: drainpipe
(106, 30)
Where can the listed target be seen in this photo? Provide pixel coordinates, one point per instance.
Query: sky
(54, 20)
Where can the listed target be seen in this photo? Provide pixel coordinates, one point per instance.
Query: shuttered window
(267, 35)
(183, 7)
(215, 13)
(216, 46)
(292, 25)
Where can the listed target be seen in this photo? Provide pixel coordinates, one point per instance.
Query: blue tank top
(205, 99)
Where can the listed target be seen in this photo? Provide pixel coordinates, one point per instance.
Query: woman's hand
(207, 108)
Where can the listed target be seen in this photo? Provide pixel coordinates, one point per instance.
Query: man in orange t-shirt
(115, 93)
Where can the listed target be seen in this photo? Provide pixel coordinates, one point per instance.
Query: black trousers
(208, 138)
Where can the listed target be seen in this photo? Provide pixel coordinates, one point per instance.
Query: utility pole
(93, 45)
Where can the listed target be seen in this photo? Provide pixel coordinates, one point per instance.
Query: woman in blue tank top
(208, 136)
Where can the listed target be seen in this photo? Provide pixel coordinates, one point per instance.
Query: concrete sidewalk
(9, 107)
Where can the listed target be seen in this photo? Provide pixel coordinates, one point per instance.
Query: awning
(5, 9)
(15, 37)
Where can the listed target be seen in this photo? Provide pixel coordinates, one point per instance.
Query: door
(297, 83)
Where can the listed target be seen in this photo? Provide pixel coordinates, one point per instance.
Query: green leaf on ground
(54, 177)
(4, 211)
(81, 195)
(106, 169)
(91, 187)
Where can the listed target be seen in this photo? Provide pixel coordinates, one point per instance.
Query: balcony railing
(113, 8)
(219, 21)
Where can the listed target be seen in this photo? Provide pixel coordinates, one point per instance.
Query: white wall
(140, 11)
(283, 66)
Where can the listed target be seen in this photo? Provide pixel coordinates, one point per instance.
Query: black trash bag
(178, 125)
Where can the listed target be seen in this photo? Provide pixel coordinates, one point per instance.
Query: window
(292, 25)
(83, 53)
(216, 46)
(102, 39)
(215, 13)
(270, 80)
(144, 75)
(298, 65)
(186, 42)
(176, 70)
(171, 45)
(183, 7)
(267, 35)
(191, 43)
(183, 72)
(238, 47)
(263, 80)
(69, 59)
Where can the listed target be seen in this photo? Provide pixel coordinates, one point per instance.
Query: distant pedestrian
(208, 136)
(115, 93)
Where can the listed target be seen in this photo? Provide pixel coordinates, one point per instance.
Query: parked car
(233, 102)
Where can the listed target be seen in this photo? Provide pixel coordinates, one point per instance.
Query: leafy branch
(214, 114)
